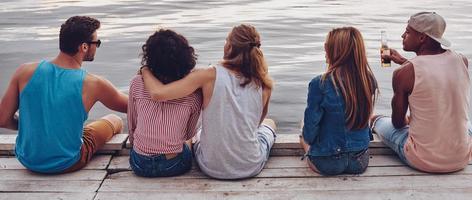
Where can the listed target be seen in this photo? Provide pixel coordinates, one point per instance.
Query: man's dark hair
(168, 55)
(75, 31)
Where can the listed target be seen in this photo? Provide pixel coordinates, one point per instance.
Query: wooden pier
(285, 176)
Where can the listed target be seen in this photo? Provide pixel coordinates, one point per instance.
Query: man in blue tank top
(54, 98)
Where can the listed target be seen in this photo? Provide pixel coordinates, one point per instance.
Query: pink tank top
(438, 139)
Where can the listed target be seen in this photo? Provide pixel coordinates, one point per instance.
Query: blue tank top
(51, 120)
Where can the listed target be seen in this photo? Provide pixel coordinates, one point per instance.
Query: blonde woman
(235, 140)
(340, 101)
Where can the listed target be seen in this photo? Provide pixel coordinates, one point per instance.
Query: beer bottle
(384, 50)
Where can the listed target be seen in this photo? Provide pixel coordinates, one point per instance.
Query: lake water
(293, 34)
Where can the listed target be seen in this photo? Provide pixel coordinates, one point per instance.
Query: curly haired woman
(161, 131)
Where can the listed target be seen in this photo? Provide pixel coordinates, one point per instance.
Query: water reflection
(293, 33)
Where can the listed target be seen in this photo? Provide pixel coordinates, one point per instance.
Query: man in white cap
(434, 86)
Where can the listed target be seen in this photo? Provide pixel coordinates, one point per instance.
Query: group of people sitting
(216, 115)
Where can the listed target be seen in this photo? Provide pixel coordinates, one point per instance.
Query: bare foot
(115, 121)
(270, 122)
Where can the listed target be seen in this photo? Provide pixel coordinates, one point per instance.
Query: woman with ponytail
(235, 139)
(340, 102)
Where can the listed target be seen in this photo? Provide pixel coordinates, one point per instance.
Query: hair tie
(255, 44)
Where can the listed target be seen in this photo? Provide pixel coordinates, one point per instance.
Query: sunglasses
(98, 43)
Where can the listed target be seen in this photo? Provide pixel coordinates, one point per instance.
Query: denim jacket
(325, 123)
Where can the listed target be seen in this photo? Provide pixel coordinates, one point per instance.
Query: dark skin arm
(402, 83)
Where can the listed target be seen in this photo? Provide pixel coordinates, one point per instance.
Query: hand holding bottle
(395, 57)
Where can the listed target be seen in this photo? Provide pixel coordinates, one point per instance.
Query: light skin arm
(466, 62)
(402, 83)
(266, 92)
(106, 93)
(177, 89)
(9, 104)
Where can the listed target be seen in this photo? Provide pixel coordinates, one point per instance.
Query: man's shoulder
(405, 70)
(93, 79)
(27, 68)
(25, 71)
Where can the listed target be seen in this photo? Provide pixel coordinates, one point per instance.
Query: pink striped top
(160, 127)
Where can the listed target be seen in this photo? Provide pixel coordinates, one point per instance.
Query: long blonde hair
(242, 54)
(351, 73)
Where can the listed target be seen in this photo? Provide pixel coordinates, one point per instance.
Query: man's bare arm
(109, 95)
(9, 104)
(402, 84)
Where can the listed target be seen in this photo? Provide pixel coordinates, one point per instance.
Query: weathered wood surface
(122, 183)
(26, 175)
(7, 142)
(97, 162)
(49, 196)
(121, 163)
(284, 177)
(291, 166)
(417, 194)
(61, 186)
(292, 141)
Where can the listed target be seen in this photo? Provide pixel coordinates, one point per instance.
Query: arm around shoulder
(177, 89)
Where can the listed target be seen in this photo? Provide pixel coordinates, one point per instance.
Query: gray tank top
(229, 148)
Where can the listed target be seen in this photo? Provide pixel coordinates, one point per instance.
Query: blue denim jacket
(325, 124)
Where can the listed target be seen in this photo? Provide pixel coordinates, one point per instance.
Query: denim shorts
(348, 163)
(159, 166)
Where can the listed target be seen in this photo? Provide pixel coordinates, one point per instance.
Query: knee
(115, 121)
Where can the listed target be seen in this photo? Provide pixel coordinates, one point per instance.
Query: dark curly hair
(75, 31)
(168, 55)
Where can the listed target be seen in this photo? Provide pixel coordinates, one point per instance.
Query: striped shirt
(160, 127)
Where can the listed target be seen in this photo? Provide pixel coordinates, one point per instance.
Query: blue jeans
(396, 138)
(159, 166)
(348, 162)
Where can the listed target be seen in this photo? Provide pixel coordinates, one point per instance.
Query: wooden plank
(192, 174)
(305, 172)
(116, 143)
(423, 194)
(97, 162)
(128, 144)
(25, 175)
(158, 195)
(7, 142)
(292, 141)
(121, 163)
(48, 186)
(370, 172)
(40, 196)
(134, 184)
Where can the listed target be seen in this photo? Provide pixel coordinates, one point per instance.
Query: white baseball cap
(431, 24)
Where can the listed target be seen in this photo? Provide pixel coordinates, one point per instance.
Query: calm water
(293, 34)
